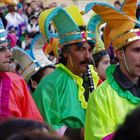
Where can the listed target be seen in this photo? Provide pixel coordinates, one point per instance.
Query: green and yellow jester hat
(66, 26)
(120, 22)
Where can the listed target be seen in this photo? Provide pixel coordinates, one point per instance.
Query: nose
(8, 53)
(88, 54)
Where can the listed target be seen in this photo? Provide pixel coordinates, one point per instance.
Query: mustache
(86, 61)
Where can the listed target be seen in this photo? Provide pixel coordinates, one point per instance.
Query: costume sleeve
(47, 104)
(56, 98)
(98, 120)
(21, 103)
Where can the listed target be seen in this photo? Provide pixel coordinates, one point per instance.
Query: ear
(95, 68)
(119, 54)
(66, 53)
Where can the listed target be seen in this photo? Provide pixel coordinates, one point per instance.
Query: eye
(106, 62)
(136, 50)
(2, 48)
(90, 50)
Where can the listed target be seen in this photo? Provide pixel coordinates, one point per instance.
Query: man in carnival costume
(120, 93)
(15, 99)
(61, 96)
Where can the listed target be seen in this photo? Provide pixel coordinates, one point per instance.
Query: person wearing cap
(120, 93)
(34, 64)
(61, 96)
(15, 99)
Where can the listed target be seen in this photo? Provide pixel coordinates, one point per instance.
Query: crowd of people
(62, 79)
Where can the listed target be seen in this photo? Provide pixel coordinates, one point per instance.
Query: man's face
(132, 54)
(78, 57)
(5, 55)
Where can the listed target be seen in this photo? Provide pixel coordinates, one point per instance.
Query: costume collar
(79, 81)
(119, 90)
(120, 78)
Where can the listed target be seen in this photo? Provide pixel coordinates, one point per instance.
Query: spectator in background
(33, 5)
(39, 8)
(25, 6)
(33, 26)
(13, 18)
(53, 5)
(29, 12)
(117, 4)
(22, 14)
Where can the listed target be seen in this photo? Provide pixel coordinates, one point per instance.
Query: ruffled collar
(79, 82)
(120, 91)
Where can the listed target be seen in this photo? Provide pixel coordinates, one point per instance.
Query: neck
(74, 71)
(129, 75)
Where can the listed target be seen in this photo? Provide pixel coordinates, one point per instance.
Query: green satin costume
(60, 98)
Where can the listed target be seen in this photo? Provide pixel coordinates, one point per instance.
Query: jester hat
(33, 60)
(66, 26)
(36, 51)
(94, 23)
(27, 63)
(120, 22)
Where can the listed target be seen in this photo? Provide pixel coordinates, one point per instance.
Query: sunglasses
(4, 48)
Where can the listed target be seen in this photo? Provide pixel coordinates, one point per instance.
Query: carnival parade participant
(60, 95)
(100, 56)
(110, 103)
(33, 63)
(15, 99)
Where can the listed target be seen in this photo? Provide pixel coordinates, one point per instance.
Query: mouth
(85, 64)
(137, 66)
(7, 62)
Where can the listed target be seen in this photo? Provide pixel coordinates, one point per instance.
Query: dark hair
(117, 2)
(38, 76)
(11, 8)
(130, 129)
(13, 126)
(98, 56)
(4, 21)
(35, 136)
(62, 59)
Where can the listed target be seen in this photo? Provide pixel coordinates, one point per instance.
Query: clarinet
(90, 79)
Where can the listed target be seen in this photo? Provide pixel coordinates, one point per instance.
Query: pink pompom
(13, 40)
